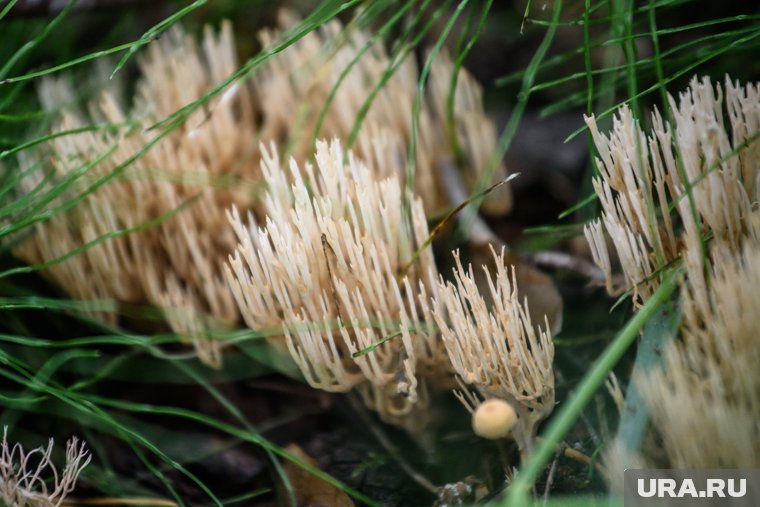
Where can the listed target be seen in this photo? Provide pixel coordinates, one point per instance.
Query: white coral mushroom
(496, 348)
(25, 477)
(325, 266)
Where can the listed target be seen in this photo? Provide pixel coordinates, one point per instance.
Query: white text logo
(669, 488)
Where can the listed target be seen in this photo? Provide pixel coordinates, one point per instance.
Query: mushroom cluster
(694, 166)
(170, 189)
(335, 254)
(336, 264)
(494, 346)
(687, 194)
(355, 288)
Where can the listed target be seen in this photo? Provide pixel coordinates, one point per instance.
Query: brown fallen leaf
(538, 287)
(311, 491)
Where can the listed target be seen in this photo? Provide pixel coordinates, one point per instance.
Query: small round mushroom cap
(493, 419)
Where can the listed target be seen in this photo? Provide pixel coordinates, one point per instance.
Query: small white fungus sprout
(24, 476)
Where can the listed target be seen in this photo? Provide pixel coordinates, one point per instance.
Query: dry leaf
(311, 491)
(543, 296)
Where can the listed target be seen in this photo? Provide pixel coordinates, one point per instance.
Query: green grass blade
(30, 45)
(155, 31)
(562, 422)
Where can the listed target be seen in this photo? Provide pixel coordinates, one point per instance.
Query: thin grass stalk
(563, 421)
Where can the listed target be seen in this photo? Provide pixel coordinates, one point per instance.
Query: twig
(389, 447)
(552, 472)
(590, 428)
(569, 452)
(504, 457)
(146, 502)
(563, 260)
(478, 231)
